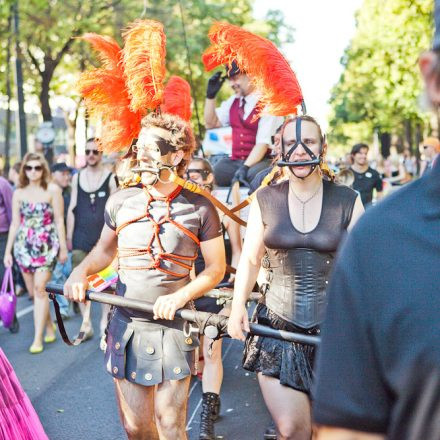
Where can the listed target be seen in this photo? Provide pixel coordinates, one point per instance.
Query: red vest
(244, 132)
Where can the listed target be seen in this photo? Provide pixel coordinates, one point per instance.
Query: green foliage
(380, 84)
(53, 57)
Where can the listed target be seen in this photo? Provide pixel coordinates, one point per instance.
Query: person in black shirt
(365, 178)
(378, 373)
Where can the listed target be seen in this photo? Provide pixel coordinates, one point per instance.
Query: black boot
(270, 433)
(210, 411)
(15, 325)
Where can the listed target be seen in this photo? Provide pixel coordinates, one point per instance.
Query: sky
(323, 29)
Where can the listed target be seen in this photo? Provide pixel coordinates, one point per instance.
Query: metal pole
(213, 321)
(21, 120)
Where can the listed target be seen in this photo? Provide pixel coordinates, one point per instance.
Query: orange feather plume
(106, 97)
(177, 98)
(144, 64)
(266, 67)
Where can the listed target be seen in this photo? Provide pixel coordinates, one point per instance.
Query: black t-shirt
(378, 368)
(364, 183)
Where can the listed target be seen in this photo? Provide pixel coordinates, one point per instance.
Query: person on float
(200, 172)
(154, 226)
(251, 135)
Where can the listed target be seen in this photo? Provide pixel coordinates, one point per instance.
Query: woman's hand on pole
(238, 322)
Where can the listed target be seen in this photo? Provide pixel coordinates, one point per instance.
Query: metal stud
(115, 370)
(188, 341)
(148, 376)
(177, 370)
(117, 345)
(133, 375)
(150, 350)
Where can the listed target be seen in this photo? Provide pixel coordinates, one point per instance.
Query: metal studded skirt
(149, 353)
(290, 362)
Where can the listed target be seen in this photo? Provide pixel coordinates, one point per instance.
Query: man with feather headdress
(155, 228)
(251, 133)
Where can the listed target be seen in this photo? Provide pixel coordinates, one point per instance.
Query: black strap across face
(285, 158)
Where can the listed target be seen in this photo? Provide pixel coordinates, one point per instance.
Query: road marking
(22, 312)
(25, 311)
(188, 426)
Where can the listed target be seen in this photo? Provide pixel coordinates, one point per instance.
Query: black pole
(210, 319)
(21, 121)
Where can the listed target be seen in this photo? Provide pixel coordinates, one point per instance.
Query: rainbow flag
(103, 279)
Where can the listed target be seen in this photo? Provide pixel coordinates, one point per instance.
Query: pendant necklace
(304, 203)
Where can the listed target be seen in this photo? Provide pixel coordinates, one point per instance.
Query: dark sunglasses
(203, 173)
(94, 152)
(35, 168)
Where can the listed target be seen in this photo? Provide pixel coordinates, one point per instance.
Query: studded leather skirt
(290, 362)
(149, 353)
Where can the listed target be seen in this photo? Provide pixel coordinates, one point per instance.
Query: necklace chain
(304, 203)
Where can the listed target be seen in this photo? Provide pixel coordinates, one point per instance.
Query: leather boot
(210, 411)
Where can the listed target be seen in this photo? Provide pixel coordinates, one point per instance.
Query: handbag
(8, 300)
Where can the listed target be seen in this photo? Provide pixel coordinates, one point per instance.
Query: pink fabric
(244, 132)
(18, 419)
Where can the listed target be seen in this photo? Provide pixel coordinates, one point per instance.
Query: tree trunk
(408, 135)
(418, 142)
(9, 97)
(385, 144)
(46, 111)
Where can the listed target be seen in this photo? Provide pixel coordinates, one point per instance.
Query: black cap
(232, 69)
(61, 166)
(436, 42)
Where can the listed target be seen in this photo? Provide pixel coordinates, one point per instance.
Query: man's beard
(93, 165)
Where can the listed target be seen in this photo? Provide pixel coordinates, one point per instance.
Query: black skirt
(290, 362)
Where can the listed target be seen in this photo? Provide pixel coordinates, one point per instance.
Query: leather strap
(82, 331)
(193, 187)
(190, 186)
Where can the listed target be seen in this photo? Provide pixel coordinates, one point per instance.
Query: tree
(379, 87)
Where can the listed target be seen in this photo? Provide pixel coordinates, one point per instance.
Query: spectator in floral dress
(36, 236)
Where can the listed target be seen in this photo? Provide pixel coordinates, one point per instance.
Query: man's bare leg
(170, 405)
(136, 410)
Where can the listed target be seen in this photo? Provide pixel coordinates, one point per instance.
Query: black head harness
(285, 157)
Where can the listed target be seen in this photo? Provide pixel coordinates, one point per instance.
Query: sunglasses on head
(203, 173)
(94, 152)
(35, 168)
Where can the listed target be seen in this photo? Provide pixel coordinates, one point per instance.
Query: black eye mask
(285, 157)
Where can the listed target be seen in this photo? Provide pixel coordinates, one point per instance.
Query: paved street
(74, 398)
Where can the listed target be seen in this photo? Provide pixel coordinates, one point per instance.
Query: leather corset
(299, 264)
(297, 280)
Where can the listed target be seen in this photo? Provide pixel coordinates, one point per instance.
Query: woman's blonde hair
(23, 180)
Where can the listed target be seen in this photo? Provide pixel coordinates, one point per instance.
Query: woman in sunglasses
(201, 172)
(36, 237)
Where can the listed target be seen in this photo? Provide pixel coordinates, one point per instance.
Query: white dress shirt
(267, 124)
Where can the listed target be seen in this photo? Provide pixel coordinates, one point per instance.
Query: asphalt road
(74, 398)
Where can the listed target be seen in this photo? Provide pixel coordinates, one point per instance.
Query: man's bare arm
(211, 119)
(256, 155)
(99, 258)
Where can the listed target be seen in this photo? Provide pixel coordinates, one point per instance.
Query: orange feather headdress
(129, 83)
(177, 98)
(266, 67)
